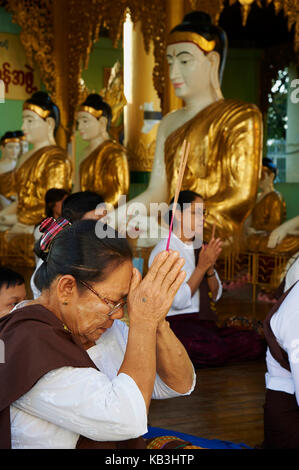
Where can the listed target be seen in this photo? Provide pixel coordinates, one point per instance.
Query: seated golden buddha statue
(43, 167)
(225, 135)
(10, 148)
(103, 166)
(268, 213)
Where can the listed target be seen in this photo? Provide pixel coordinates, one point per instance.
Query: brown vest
(35, 343)
(276, 350)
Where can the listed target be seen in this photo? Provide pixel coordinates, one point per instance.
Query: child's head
(12, 290)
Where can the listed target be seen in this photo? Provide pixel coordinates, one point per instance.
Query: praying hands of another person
(205, 266)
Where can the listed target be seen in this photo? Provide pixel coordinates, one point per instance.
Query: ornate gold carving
(79, 22)
(141, 157)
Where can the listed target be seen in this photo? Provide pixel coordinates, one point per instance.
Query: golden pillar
(143, 110)
(61, 76)
(175, 12)
(142, 113)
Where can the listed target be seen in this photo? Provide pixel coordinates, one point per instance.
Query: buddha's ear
(103, 122)
(51, 123)
(214, 59)
(51, 128)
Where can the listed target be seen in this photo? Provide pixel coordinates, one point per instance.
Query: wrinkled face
(87, 314)
(89, 127)
(191, 220)
(12, 150)
(11, 296)
(34, 127)
(189, 69)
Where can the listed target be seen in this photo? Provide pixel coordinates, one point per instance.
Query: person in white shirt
(292, 274)
(191, 316)
(281, 410)
(95, 380)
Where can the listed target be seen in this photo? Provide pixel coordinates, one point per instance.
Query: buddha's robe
(223, 165)
(105, 171)
(48, 167)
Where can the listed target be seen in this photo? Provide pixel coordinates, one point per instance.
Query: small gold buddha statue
(268, 213)
(10, 148)
(104, 165)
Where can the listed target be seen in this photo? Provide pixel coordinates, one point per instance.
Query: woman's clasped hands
(150, 298)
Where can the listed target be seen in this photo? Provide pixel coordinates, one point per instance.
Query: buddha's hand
(8, 219)
(150, 299)
(277, 235)
(21, 228)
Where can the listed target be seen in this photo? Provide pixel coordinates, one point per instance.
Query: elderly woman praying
(76, 376)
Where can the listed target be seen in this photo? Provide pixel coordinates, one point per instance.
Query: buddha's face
(11, 151)
(189, 69)
(35, 128)
(267, 179)
(89, 126)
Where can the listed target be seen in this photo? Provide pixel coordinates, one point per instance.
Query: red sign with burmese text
(18, 80)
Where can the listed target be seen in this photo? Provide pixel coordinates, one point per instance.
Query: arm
(240, 157)
(173, 364)
(149, 301)
(157, 190)
(205, 266)
(86, 402)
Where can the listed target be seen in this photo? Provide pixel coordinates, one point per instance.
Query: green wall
(11, 110)
(241, 75)
(290, 193)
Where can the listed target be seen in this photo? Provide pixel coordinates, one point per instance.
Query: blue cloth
(196, 441)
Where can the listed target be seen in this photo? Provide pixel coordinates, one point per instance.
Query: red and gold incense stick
(184, 158)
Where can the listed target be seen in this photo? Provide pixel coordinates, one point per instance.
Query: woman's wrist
(143, 324)
(163, 325)
(210, 272)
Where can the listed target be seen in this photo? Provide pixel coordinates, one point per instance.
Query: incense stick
(184, 158)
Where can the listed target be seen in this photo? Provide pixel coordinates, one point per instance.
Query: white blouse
(99, 405)
(292, 275)
(285, 326)
(183, 302)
